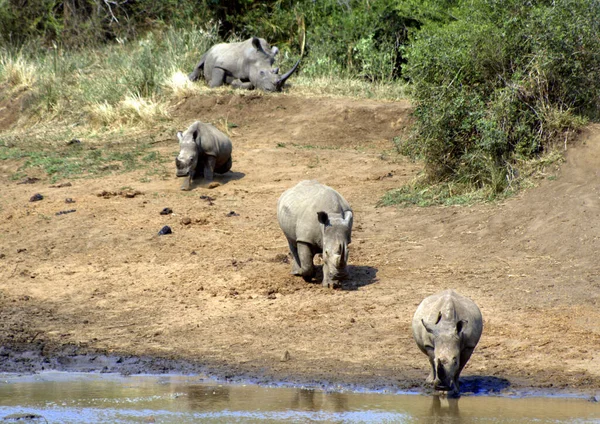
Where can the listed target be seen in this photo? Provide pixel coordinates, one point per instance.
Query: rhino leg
(226, 167)
(209, 167)
(217, 78)
(431, 377)
(237, 83)
(306, 255)
(197, 70)
(464, 358)
(295, 258)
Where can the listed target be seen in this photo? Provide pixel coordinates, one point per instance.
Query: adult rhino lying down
(203, 150)
(316, 219)
(447, 327)
(246, 64)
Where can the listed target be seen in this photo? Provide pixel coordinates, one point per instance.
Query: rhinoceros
(203, 150)
(447, 327)
(246, 64)
(316, 219)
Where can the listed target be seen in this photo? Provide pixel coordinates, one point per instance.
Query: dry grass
(132, 110)
(180, 86)
(17, 72)
(347, 87)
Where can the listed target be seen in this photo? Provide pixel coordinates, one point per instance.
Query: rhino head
(187, 159)
(336, 237)
(262, 75)
(445, 352)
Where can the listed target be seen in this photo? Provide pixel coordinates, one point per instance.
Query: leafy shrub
(500, 84)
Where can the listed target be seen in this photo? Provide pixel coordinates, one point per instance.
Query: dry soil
(218, 293)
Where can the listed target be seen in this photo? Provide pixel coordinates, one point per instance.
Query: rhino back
(452, 307)
(213, 142)
(235, 58)
(298, 206)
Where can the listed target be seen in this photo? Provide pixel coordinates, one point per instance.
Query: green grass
(435, 195)
(79, 161)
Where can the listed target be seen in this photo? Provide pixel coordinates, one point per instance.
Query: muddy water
(103, 398)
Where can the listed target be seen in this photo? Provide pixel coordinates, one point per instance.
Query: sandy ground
(217, 292)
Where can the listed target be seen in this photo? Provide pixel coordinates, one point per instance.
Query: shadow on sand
(218, 178)
(483, 384)
(359, 276)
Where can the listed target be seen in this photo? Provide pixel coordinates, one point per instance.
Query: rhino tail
(198, 69)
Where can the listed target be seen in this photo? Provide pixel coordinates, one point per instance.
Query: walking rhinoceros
(447, 327)
(246, 64)
(316, 219)
(203, 150)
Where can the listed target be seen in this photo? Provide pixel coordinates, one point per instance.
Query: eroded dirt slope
(218, 290)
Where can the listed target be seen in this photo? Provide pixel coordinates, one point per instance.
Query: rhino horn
(285, 76)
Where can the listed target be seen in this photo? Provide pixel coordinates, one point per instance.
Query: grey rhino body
(203, 150)
(316, 219)
(447, 327)
(246, 64)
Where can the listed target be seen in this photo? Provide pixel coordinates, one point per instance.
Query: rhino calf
(447, 327)
(246, 64)
(203, 150)
(316, 219)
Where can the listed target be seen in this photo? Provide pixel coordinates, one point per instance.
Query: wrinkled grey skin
(447, 327)
(203, 150)
(246, 64)
(316, 219)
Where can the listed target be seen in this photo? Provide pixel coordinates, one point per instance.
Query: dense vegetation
(496, 83)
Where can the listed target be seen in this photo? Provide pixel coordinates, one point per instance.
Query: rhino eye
(262, 73)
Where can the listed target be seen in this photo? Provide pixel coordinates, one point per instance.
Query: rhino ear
(256, 44)
(348, 216)
(180, 136)
(428, 328)
(460, 326)
(195, 135)
(323, 218)
(274, 51)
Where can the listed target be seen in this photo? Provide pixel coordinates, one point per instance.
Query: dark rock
(232, 213)
(36, 197)
(69, 200)
(166, 211)
(165, 230)
(61, 185)
(23, 417)
(73, 141)
(208, 199)
(66, 212)
(29, 180)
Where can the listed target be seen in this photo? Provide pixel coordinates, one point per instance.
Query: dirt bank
(217, 292)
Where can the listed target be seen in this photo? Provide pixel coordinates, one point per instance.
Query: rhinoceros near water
(316, 219)
(246, 64)
(447, 327)
(203, 150)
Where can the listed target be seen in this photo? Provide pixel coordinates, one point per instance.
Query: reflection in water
(312, 400)
(104, 398)
(444, 409)
(200, 397)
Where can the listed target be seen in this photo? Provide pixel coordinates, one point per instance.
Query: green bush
(500, 84)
